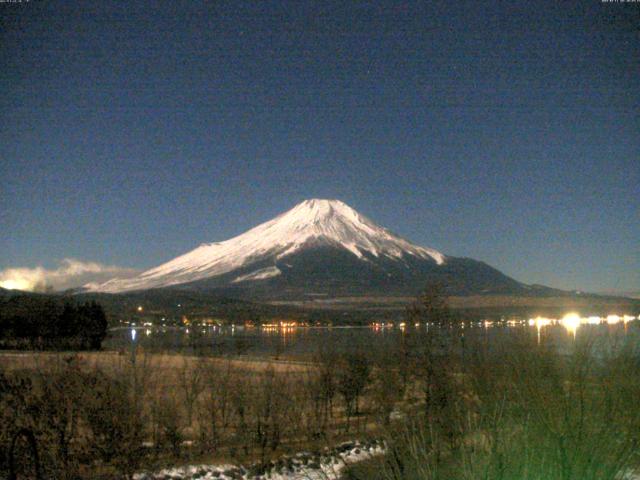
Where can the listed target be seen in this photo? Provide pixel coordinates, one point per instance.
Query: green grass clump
(523, 412)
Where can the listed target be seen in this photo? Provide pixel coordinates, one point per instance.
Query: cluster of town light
(571, 321)
(282, 326)
(401, 325)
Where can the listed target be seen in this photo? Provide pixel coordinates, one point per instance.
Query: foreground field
(167, 363)
(446, 406)
(108, 414)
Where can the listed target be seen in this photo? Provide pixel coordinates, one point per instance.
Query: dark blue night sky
(506, 131)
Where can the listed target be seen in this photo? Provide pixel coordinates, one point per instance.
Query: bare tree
(216, 405)
(191, 381)
(388, 387)
(117, 423)
(270, 410)
(352, 376)
(169, 423)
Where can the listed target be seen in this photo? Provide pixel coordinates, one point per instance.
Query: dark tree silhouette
(42, 323)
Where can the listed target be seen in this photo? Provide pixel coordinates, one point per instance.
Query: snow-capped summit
(335, 223)
(312, 224)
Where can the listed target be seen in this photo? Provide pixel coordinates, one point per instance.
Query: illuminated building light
(613, 319)
(571, 321)
(539, 322)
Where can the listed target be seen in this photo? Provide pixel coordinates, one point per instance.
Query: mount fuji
(318, 248)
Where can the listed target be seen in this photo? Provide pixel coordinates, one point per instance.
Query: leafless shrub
(60, 404)
(116, 422)
(241, 398)
(269, 412)
(215, 408)
(352, 376)
(388, 386)
(191, 382)
(169, 423)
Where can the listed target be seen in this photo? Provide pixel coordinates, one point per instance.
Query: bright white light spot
(133, 334)
(540, 322)
(571, 321)
(593, 320)
(613, 319)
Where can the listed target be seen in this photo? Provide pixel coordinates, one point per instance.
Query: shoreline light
(571, 321)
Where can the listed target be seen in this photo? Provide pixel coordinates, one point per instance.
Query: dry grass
(184, 408)
(166, 362)
(451, 409)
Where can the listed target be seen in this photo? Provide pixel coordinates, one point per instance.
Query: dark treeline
(40, 322)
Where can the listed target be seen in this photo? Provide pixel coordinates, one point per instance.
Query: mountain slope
(309, 224)
(319, 247)
(325, 271)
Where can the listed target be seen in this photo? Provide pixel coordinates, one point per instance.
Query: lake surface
(304, 342)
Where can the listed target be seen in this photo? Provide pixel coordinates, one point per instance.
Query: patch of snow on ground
(303, 466)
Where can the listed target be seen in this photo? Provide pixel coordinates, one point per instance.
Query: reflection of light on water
(381, 326)
(571, 321)
(540, 322)
(613, 319)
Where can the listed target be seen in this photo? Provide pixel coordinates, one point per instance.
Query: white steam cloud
(69, 274)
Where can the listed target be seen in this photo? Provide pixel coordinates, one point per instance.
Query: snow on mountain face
(310, 223)
(259, 274)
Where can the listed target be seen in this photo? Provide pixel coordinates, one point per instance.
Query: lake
(303, 342)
